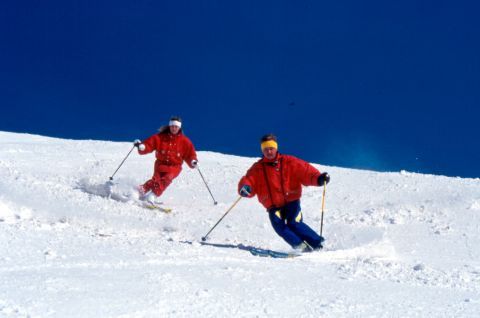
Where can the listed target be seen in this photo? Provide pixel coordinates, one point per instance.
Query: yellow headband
(269, 144)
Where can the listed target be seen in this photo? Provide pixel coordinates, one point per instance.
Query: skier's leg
(161, 183)
(152, 183)
(164, 179)
(282, 229)
(147, 186)
(294, 220)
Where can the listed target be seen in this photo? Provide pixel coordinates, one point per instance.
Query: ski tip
(152, 206)
(270, 253)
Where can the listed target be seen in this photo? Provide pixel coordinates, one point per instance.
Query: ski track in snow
(398, 244)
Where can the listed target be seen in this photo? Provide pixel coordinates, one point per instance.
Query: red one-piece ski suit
(170, 150)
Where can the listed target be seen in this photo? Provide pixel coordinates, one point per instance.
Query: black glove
(324, 177)
(245, 191)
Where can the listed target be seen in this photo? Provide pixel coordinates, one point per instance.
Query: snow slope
(398, 244)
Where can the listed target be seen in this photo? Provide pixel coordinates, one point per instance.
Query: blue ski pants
(287, 222)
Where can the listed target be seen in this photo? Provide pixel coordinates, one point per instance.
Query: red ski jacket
(170, 150)
(279, 181)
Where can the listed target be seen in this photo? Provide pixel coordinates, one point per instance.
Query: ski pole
(204, 238)
(323, 205)
(111, 178)
(201, 175)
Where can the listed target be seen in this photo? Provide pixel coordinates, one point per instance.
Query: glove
(245, 191)
(137, 143)
(324, 177)
(194, 164)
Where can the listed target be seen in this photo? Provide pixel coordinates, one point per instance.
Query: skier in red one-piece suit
(171, 148)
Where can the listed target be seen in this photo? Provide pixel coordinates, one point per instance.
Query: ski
(256, 251)
(153, 206)
(270, 253)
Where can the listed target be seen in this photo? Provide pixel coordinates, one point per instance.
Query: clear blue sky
(381, 85)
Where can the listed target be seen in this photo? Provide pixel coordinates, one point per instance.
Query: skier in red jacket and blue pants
(277, 181)
(171, 148)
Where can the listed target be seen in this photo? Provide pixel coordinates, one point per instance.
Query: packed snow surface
(398, 244)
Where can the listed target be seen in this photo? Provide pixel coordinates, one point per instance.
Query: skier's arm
(149, 145)
(190, 156)
(246, 186)
(307, 173)
(312, 176)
